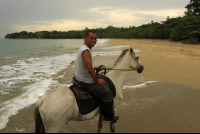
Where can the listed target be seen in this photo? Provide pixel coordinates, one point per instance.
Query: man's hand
(101, 81)
(98, 68)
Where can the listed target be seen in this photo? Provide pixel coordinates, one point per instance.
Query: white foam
(102, 45)
(111, 47)
(31, 69)
(138, 86)
(12, 79)
(106, 53)
(12, 106)
(101, 42)
(7, 57)
(3, 92)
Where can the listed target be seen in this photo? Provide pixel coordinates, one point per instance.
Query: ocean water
(28, 65)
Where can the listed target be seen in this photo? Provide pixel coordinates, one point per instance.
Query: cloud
(144, 17)
(100, 17)
(113, 16)
(165, 13)
(63, 25)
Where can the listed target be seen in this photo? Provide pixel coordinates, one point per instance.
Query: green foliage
(188, 27)
(194, 7)
(46, 35)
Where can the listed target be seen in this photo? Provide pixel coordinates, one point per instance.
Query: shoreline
(163, 62)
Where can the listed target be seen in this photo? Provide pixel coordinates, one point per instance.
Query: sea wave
(12, 106)
(34, 68)
(139, 86)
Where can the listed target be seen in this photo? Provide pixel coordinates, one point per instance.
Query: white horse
(58, 106)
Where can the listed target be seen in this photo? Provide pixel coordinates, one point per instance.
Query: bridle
(104, 68)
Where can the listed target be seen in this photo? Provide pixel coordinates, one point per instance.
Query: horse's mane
(121, 56)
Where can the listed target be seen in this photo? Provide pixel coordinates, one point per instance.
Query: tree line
(176, 29)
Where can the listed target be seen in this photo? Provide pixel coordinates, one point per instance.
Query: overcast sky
(64, 15)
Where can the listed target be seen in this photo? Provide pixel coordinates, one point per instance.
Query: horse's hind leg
(58, 107)
(55, 125)
(39, 126)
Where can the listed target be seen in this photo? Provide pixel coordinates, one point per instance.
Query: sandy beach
(167, 61)
(167, 106)
(172, 105)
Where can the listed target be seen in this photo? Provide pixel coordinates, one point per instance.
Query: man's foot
(108, 120)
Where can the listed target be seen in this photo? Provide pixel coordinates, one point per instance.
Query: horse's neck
(120, 76)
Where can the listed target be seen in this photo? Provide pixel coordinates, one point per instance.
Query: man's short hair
(87, 33)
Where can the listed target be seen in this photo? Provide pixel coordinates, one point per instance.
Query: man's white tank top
(81, 73)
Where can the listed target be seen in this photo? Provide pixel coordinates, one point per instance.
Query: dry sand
(167, 61)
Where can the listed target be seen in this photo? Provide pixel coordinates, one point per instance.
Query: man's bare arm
(87, 59)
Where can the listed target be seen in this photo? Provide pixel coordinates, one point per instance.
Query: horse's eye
(137, 57)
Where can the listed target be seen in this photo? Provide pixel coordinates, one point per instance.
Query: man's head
(90, 39)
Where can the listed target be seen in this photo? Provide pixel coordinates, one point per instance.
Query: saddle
(85, 101)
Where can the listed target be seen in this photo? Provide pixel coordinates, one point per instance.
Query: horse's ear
(132, 52)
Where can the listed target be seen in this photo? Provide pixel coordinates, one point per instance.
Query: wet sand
(170, 105)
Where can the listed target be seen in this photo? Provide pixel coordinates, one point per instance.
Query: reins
(104, 68)
(119, 69)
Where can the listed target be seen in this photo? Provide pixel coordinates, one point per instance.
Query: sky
(64, 15)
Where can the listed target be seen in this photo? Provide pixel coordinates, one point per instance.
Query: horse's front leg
(112, 127)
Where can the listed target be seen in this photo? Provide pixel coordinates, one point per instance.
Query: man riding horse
(85, 75)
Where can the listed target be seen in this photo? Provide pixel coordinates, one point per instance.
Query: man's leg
(106, 96)
(108, 112)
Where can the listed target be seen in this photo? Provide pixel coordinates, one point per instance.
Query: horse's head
(135, 63)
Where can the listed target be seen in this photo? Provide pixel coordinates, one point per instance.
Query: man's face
(91, 40)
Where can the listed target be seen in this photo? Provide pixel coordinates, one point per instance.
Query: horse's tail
(39, 126)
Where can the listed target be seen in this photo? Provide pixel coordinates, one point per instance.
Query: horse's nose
(140, 69)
